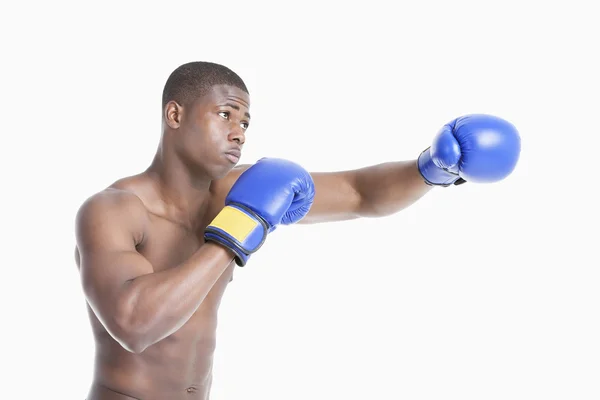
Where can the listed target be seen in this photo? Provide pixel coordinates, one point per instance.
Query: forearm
(387, 188)
(156, 305)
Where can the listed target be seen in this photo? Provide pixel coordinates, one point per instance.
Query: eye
(245, 125)
(224, 114)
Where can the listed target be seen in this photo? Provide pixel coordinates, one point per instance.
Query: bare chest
(167, 244)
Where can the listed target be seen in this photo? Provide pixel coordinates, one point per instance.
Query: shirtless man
(156, 251)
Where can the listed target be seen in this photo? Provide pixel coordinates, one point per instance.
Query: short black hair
(192, 80)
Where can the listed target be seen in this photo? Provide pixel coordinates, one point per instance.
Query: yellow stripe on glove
(235, 222)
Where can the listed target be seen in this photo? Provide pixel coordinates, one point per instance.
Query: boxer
(156, 251)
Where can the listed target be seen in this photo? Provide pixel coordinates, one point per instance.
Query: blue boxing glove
(269, 193)
(475, 148)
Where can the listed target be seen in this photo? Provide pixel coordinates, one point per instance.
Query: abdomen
(174, 367)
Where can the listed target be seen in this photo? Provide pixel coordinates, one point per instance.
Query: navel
(191, 389)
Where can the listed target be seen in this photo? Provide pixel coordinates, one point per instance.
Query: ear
(173, 112)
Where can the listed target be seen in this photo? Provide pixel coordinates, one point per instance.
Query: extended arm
(472, 148)
(372, 191)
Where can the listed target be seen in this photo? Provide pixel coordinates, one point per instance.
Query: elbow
(134, 346)
(128, 334)
(129, 338)
(368, 209)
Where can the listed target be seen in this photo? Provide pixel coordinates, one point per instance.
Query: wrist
(239, 229)
(220, 250)
(432, 174)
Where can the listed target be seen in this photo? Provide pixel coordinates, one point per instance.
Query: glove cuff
(434, 175)
(239, 229)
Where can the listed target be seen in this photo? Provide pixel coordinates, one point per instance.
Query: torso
(179, 366)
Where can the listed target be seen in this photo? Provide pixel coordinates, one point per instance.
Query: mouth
(233, 155)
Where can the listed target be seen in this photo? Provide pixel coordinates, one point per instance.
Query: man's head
(193, 80)
(205, 115)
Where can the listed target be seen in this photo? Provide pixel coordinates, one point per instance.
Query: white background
(475, 292)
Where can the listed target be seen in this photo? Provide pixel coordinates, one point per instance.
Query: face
(211, 131)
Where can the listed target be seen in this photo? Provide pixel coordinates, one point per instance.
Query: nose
(237, 135)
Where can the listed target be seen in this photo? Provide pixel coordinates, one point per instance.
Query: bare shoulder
(112, 201)
(120, 208)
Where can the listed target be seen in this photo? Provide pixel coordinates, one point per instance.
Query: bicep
(336, 194)
(336, 197)
(105, 275)
(108, 258)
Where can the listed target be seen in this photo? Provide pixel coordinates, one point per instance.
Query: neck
(182, 190)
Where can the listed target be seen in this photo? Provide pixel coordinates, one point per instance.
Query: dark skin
(152, 285)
